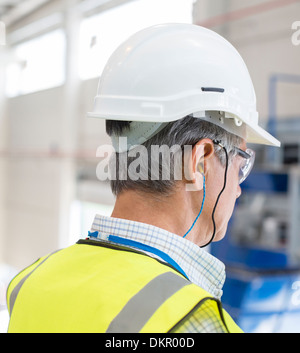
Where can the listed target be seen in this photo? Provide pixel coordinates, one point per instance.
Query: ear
(202, 151)
(201, 154)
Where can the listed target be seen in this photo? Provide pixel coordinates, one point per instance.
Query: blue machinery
(262, 248)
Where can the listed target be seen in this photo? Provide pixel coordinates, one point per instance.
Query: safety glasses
(247, 164)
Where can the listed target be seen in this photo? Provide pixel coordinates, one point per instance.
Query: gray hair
(184, 132)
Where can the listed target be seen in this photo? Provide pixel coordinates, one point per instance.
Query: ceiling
(12, 11)
(7, 6)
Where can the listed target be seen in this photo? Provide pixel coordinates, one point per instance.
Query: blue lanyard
(148, 248)
(144, 247)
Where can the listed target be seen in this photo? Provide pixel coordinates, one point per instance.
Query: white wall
(50, 141)
(33, 177)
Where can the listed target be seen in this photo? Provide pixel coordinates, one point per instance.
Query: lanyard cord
(221, 192)
(144, 247)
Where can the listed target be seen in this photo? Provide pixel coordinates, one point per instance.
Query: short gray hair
(184, 132)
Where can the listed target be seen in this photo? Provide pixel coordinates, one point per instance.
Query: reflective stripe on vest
(15, 292)
(87, 288)
(135, 314)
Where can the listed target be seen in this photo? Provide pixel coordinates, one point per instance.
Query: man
(180, 108)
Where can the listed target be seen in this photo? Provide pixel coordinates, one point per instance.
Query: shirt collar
(202, 268)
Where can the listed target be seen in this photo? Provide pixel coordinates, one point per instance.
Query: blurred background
(49, 194)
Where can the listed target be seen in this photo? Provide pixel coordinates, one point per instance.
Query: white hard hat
(166, 72)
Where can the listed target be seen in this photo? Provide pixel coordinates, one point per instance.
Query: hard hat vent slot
(212, 89)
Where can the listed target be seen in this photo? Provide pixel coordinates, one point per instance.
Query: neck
(173, 213)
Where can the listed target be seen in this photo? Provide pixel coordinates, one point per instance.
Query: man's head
(183, 97)
(191, 154)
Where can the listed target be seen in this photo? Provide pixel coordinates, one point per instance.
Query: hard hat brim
(166, 110)
(257, 135)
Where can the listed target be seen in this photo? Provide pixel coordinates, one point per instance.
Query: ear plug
(200, 168)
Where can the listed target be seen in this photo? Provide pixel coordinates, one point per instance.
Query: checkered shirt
(201, 268)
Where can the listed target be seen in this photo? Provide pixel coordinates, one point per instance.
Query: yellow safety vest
(104, 288)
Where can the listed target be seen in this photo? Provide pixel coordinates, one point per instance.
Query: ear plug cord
(200, 209)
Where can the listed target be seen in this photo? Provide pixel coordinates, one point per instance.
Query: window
(82, 215)
(41, 65)
(100, 35)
